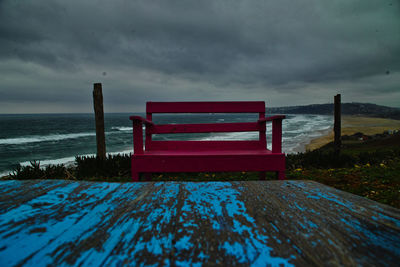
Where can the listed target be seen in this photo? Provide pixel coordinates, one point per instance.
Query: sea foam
(45, 138)
(121, 128)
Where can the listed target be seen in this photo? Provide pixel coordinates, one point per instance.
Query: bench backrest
(206, 107)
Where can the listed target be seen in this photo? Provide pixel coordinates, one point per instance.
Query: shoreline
(352, 124)
(302, 146)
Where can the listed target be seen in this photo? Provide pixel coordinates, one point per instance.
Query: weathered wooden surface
(189, 223)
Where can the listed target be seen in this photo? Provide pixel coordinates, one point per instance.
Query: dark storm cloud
(193, 49)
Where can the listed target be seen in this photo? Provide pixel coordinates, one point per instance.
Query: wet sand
(354, 124)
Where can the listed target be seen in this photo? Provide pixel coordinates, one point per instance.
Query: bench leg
(147, 176)
(280, 175)
(262, 175)
(135, 176)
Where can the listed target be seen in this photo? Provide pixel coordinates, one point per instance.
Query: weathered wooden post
(337, 124)
(99, 117)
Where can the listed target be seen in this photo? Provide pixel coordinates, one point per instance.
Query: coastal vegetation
(358, 109)
(368, 166)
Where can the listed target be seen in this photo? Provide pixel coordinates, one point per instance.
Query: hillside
(364, 109)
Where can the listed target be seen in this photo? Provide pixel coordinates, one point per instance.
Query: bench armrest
(276, 117)
(276, 131)
(272, 118)
(138, 133)
(143, 120)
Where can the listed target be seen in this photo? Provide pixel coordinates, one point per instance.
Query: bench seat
(169, 153)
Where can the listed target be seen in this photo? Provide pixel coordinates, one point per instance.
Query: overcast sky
(284, 52)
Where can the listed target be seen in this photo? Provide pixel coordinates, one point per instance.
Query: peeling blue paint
(202, 256)
(235, 249)
(393, 220)
(276, 228)
(297, 206)
(316, 193)
(311, 224)
(297, 249)
(184, 243)
(68, 214)
(216, 198)
(188, 263)
(374, 238)
(84, 221)
(302, 225)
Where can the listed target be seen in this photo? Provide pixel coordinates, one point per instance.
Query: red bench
(201, 156)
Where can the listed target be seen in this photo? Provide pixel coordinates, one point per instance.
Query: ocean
(58, 138)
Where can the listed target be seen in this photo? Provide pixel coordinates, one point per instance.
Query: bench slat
(212, 163)
(205, 128)
(233, 152)
(204, 145)
(206, 107)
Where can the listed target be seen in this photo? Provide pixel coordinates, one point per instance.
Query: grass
(369, 169)
(379, 183)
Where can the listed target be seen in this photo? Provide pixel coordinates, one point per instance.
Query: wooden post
(337, 124)
(99, 117)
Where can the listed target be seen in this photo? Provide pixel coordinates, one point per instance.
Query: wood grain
(188, 223)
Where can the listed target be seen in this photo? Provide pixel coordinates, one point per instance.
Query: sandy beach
(354, 124)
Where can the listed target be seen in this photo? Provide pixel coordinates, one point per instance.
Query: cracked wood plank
(190, 223)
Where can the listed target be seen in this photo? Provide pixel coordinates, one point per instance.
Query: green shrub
(34, 171)
(319, 159)
(323, 159)
(55, 172)
(111, 166)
